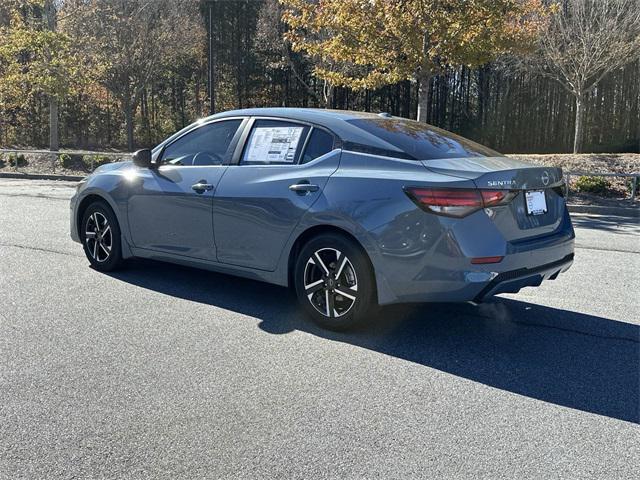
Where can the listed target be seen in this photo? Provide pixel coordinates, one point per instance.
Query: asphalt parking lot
(160, 371)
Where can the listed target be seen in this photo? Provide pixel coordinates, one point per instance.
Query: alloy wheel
(98, 237)
(330, 282)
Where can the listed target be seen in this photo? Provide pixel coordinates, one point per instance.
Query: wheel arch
(313, 232)
(97, 196)
(88, 200)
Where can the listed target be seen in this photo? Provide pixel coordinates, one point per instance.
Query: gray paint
(166, 215)
(248, 224)
(255, 213)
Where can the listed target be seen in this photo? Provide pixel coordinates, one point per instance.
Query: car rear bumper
(465, 284)
(445, 273)
(513, 280)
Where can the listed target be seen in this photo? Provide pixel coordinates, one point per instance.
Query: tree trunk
(54, 143)
(128, 112)
(638, 110)
(423, 96)
(108, 121)
(405, 105)
(579, 125)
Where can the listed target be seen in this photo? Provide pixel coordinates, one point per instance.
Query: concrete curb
(631, 212)
(37, 176)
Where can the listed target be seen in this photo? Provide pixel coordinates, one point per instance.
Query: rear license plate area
(536, 202)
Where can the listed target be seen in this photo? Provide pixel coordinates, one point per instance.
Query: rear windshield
(420, 141)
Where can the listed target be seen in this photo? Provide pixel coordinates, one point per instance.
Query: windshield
(421, 141)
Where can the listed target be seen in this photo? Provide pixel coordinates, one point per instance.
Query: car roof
(312, 115)
(334, 120)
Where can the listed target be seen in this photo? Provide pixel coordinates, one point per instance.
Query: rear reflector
(457, 202)
(482, 260)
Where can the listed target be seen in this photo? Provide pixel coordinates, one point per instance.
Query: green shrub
(597, 185)
(17, 158)
(65, 160)
(88, 161)
(94, 161)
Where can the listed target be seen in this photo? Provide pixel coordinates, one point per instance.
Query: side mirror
(142, 158)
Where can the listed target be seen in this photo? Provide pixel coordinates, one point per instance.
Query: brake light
(457, 202)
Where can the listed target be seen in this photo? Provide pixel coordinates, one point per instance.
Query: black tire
(102, 244)
(326, 283)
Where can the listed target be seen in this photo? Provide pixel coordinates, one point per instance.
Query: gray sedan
(352, 210)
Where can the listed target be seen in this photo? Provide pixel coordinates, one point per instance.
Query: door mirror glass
(142, 158)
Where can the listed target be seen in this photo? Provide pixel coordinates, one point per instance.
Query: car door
(280, 173)
(170, 206)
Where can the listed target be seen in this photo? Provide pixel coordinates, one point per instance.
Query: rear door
(170, 207)
(279, 174)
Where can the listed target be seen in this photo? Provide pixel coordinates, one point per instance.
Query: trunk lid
(503, 173)
(498, 172)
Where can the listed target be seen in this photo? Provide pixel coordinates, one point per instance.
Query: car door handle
(303, 187)
(202, 187)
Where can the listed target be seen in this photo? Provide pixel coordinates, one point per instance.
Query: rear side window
(206, 145)
(420, 141)
(320, 142)
(274, 142)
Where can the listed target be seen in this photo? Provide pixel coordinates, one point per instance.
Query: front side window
(274, 142)
(206, 145)
(320, 142)
(420, 141)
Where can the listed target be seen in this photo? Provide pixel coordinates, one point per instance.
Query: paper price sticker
(273, 144)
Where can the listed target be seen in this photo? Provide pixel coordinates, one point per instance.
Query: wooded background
(104, 66)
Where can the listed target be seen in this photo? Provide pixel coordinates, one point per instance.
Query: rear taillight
(457, 202)
(493, 198)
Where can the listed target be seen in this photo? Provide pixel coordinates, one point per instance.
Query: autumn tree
(586, 40)
(131, 41)
(35, 59)
(370, 43)
(509, 109)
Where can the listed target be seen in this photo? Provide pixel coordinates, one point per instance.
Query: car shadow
(608, 224)
(567, 358)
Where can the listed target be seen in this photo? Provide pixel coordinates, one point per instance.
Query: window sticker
(274, 144)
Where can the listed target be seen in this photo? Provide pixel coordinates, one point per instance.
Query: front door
(170, 208)
(260, 201)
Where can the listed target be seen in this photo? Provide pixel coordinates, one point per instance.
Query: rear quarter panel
(365, 197)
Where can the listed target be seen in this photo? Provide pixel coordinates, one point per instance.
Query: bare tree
(586, 40)
(132, 41)
(275, 51)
